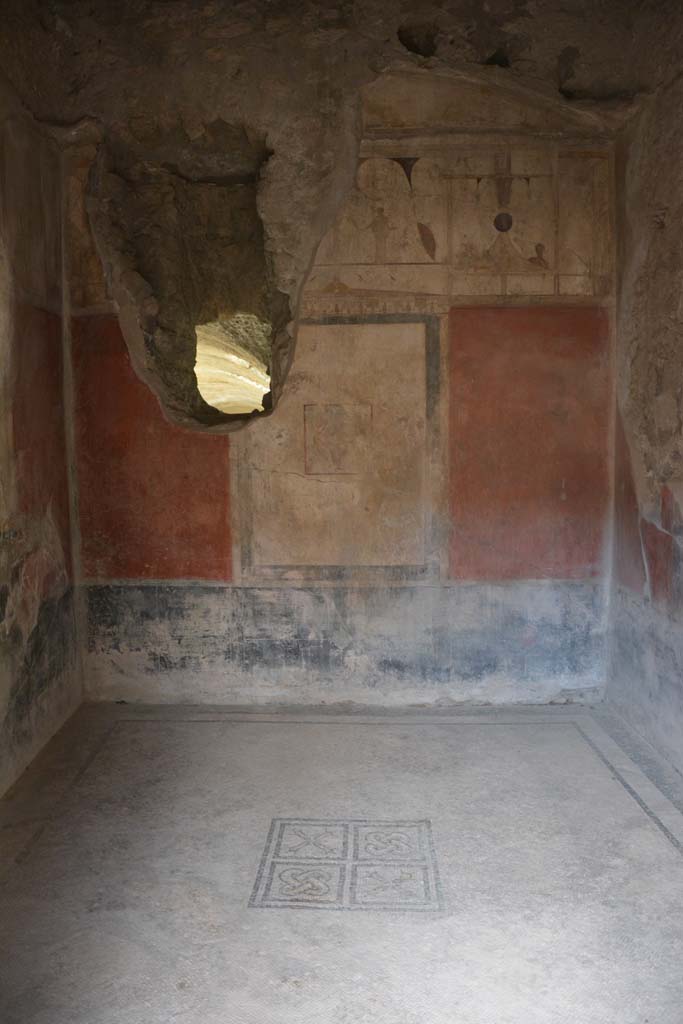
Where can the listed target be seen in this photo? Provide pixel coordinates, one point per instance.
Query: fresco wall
(336, 484)
(153, 499)
(425, 517)
(529, 417)
(646, 667)
(39, 679)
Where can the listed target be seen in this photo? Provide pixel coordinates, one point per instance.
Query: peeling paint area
(39, 681)
(43, 662)
(522, 642)
(646, 668)
(645, 678)
(646, 673)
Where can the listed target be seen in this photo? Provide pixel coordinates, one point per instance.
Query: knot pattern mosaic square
(349, 864)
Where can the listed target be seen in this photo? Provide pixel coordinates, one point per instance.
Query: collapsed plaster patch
(499, 59)
(419, 38)
(186, 264)
(650, 312)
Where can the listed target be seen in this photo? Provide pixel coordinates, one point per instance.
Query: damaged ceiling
(227, 136)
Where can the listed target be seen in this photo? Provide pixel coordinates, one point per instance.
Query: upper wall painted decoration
(468, 192)
(478, 221)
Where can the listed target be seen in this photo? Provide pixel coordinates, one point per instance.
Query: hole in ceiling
(498, 59)
(502, 222)
(419, 38)
(231, 363)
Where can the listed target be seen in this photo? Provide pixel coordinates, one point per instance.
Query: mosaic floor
(348, 865)
(498, 867)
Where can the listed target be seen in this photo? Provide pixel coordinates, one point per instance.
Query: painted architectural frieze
(489, 221)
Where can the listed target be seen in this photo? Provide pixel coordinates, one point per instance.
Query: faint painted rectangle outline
(339, 405)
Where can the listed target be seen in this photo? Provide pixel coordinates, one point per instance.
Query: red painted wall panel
(38, 419)
(529, 417)
(153, 498)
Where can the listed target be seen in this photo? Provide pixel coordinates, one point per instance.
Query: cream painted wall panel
(338, 472)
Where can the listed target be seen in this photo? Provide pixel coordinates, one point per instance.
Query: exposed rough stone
(181, 252)
(650, 324)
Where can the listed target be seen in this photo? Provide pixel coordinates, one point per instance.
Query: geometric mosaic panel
(348, 864)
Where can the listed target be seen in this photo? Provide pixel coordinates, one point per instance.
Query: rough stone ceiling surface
(228, 132)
